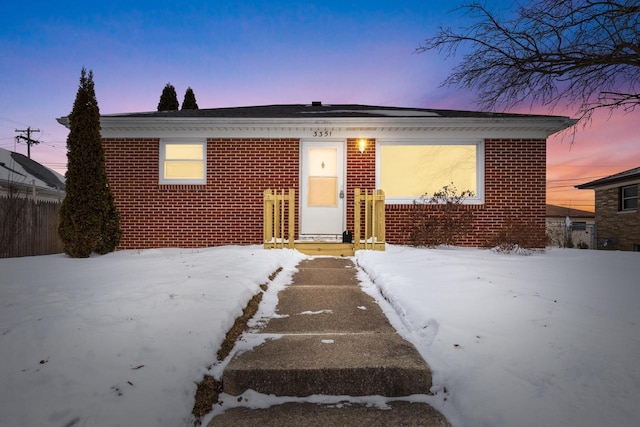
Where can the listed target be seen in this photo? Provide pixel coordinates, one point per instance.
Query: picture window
(409, 170)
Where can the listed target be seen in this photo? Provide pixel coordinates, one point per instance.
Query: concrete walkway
(335, 340)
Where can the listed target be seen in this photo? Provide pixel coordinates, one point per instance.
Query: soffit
(336, 128)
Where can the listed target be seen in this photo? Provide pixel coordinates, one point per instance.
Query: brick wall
(515, 183)
(622, 228)
(361, 173)
(227, 210)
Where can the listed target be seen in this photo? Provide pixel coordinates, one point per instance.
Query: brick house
(195, 178)
(617, 214)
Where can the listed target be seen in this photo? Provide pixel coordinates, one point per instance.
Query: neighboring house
(617, 214)
(195, 178)
(568, 227)
(23, 176)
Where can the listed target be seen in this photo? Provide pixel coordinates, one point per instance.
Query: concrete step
(329, 338)
(314, 415)
(316, 309)
(328, 262)
(332, 364)
(325, 277)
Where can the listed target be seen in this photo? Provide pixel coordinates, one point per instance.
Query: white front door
(322, 202)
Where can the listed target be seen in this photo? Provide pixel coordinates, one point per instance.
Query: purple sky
(251, 53)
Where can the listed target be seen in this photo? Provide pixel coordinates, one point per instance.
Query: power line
(27, 138)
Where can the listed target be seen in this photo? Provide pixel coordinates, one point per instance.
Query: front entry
(322, 193)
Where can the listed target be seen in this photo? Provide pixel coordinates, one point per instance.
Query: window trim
(162, 159)
(478, 199)
(625, 199)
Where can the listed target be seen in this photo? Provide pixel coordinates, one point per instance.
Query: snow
(121, 339)
(546, 339)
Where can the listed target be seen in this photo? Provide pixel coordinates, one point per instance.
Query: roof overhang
(613, 183)
(538, 127)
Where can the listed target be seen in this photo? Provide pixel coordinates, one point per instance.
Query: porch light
(362, 144)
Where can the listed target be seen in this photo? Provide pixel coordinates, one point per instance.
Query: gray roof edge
(330, 110)
(630, 174)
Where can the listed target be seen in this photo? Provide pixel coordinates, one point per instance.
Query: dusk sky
(236, 53)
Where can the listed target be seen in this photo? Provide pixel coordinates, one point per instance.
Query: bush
(440, 219)
(514, 236)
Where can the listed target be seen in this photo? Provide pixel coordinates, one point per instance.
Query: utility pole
(27, 138)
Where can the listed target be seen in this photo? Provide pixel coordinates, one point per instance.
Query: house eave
(375, 127)
(613, 183)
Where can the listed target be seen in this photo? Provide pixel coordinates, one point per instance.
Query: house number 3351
(321, 133)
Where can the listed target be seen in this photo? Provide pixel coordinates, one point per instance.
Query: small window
(579, 226)
(182, 162)
(629, 198)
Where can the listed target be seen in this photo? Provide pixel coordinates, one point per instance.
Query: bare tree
(584, 54)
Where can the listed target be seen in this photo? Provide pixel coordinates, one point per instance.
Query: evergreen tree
(89, 220)
(168, 99)
(189, 102)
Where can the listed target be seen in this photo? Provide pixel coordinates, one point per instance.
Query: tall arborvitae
(189, 102)
(168, 99)
(89, 220)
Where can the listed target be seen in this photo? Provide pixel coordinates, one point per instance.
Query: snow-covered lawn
(548, 339)
(120, 339)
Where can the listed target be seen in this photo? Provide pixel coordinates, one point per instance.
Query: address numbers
(321, 133)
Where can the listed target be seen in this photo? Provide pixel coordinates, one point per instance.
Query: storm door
(322, 207)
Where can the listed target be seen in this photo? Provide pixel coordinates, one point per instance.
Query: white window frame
(164, 143)
(478, 198)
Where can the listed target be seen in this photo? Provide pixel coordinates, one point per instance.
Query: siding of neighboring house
(583, 236)
(583, 231)
(620, 228)
(228, 209)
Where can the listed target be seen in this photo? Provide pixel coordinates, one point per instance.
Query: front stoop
(329, 338)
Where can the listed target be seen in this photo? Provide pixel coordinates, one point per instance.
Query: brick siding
(515, 183)
(228, 209)
(622, 228)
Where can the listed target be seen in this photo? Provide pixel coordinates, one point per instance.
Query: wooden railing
(279, 210)
(280, 219)
(373, 235)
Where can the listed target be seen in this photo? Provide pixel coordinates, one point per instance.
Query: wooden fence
(280, 219)
(368, 208)
(279, 216)
(28, 227)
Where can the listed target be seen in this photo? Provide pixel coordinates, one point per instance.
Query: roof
(317, 109)
(22, 171)
(562, 212)
(612, 179)
(341, 120)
